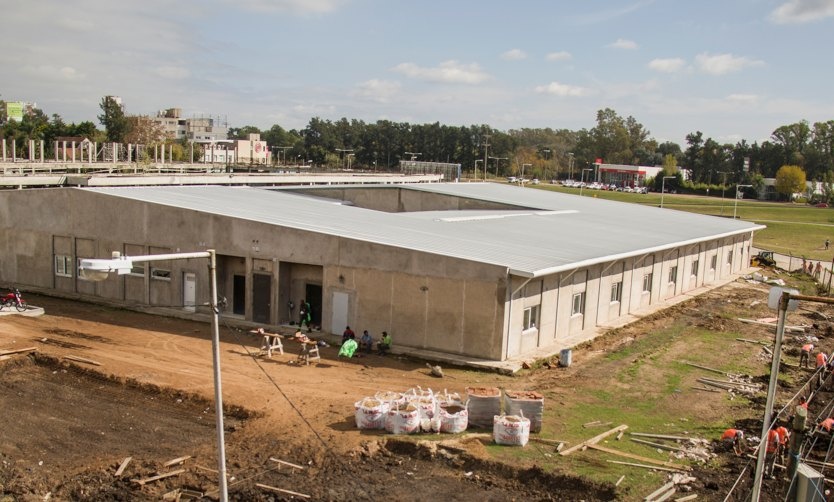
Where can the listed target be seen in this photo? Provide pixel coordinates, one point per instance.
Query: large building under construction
(481, 270)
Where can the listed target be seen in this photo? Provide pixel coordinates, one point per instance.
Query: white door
(339, 317)
(189, 291)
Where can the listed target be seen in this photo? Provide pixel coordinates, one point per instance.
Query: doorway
(312, 293)
(189, 291)
(261, 298)
(239, 295)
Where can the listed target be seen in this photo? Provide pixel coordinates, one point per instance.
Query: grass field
(795, 229)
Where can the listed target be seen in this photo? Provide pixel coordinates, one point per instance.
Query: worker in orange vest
(784, 435)
(822, 359)
(827, 424)
(805, 354)
(772, 450)
(737, 438)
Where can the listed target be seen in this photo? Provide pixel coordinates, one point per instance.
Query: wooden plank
(594, 440)
(619, 480)
(747, 340)
(123, 466)
(83, 360)
(657, 445)
(652, 467)
(552, 442)
(665, 496)
(659, 436)
(176, 461)
(638, 457)
(792, 329)
(619, 435)
(198, 466)
(706, 389)
(688, 497)
(662, 489)
(16, 351)
(281, 490)
(286, 463)
(143, 482)
(705, 368)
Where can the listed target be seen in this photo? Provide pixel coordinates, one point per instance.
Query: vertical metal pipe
(218, 393)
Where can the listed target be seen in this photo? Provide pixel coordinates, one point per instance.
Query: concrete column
(155, 154)
(162, 157)
(55, 147)
(73, 152)
(31, 150)
(4, 149)
(14, 151)
(129, 152)
(42, 152)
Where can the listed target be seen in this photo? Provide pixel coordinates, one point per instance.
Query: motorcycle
(13, 299)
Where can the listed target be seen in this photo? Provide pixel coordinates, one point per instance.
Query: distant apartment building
(198, 129)
(15, 110)
(252, 150)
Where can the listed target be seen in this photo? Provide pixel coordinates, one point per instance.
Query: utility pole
(486, 155)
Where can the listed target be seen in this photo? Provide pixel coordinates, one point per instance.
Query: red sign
(598, 161)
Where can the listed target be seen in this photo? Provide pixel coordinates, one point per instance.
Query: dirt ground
(70, 424)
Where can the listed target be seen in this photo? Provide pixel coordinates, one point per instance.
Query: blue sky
(733, 69)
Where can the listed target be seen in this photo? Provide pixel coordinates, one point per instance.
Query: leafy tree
(242, 133)
(144, 131)
(790, 179)
(670, 165)
(113, 119)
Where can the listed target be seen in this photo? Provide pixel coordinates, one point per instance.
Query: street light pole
(476, 167)
(663, 188)
(92, 269)
(582, 178)
(413, 155)
(735, 205)
(723, 186)
(522, 173)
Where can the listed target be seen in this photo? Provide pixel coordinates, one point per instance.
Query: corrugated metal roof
(562, 232)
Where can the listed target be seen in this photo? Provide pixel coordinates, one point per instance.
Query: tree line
(540, 152)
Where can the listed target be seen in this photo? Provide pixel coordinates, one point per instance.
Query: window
(63, 265)
(713, 262)
(647, 283)
(694, 270)
(673, 275)
(578, 304)
(616, 292)
(138, 269)
(730, 258)
(531, 317)
(162, 274)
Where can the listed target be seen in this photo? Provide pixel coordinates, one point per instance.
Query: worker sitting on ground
(805, 354)
(366, 343)
(348, 348)
(826, 425)
(384, 345)
(736, 438)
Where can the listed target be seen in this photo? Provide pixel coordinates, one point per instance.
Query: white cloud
(743, 99)
(447, 71)
(292, 6)
(559, 89)
(669, 65)
(559, 56)
(378, 90)
(802, 11)
(53, 73)
(514, 55)
(172, 72)
(720, 64)
(623, 43)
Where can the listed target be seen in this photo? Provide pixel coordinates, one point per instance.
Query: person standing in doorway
(304, 315)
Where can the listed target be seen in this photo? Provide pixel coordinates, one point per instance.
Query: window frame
(161, 274)
(673, 274)
(647, 282)
(713, 262)
(694, 268)
(66, 265)
(531, 318)
(617, 292)
(577, 310)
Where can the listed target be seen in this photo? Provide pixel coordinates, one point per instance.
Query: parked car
(821, 204)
